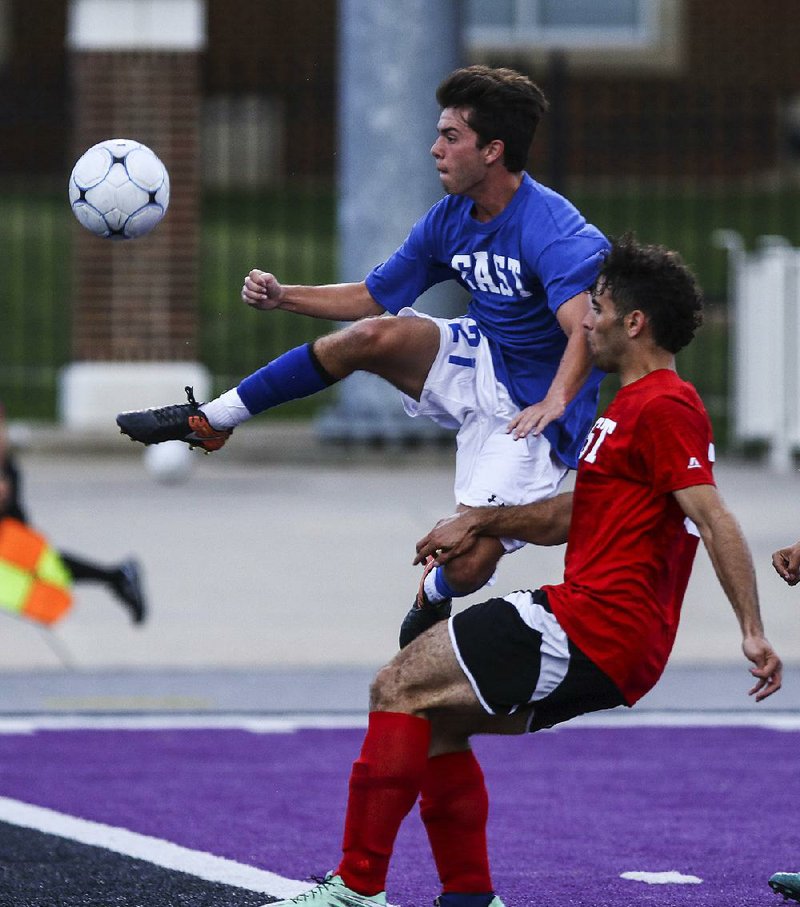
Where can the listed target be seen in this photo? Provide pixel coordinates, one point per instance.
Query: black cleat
(128, 587)
(423, 615)
(418, 620)
(179, 422)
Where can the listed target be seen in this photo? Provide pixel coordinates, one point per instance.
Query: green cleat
(332, 892)
(787, 884)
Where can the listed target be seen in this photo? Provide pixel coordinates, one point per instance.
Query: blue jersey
(519, 268)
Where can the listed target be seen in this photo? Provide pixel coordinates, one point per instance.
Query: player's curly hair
(655, 280)
(503, 104)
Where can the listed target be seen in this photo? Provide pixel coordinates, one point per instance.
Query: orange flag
(33, 579)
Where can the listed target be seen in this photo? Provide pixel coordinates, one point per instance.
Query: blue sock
(442, 586)
(453, 899)
(295, 374)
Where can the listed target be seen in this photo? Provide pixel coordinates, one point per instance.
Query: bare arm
(573, 370)
(542, 523)
(733, 564)
(786, 562)
(336, 301)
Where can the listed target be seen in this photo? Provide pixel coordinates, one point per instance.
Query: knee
(361, 345)
(370, 341)
(387, 692)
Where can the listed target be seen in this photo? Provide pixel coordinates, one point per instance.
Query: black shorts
(516, 655)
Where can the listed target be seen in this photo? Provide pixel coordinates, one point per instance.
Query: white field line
(289, 723)
(152, 850)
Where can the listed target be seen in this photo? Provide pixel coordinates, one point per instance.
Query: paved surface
(336, 690)
(278, 573)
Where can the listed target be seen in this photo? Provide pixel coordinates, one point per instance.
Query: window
(562, 23)
(640, 32)
(5, 32)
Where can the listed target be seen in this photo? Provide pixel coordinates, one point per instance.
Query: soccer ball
(119, 189)
(170, 462)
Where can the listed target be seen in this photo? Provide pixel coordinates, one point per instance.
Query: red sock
(384, 785)
(455, 808)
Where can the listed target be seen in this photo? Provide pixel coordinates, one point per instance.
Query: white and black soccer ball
(119, 189)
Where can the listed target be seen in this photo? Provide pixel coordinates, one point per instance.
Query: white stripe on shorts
(554, 648)
(467, 673)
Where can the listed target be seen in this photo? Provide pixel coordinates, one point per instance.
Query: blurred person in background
(123, 580)
(786, 562)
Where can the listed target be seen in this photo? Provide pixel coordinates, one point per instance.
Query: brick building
(716, 96)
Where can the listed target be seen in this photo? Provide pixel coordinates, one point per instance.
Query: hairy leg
(400, 350)
(470, 571)
(426, 680)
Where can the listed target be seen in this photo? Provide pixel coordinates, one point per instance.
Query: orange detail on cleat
(203, 435)
(430, 564)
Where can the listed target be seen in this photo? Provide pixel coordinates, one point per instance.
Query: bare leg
(400, 350)
(425, 680)
(462, 575)
(472, 570)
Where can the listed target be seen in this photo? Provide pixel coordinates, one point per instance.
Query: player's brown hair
(502, 103)
(656, 281)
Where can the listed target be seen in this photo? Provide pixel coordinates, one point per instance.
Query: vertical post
(135, 73)
(558, 85)
(392, 56)
(781, 448)
(733, 244)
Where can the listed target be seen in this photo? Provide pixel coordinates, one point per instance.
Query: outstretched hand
(768, 668)
(786, 562)
(261, 290)
(449, 538)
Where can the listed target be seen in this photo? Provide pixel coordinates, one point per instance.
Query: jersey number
(471, 334)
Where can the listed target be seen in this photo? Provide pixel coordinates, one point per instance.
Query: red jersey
(630, 548)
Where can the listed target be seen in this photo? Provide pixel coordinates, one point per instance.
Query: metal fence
(292, 229)
(673, 159)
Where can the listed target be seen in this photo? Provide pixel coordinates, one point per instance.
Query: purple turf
(571, 809)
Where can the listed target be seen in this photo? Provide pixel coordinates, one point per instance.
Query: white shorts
(463, 393)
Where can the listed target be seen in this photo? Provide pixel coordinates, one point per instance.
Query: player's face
(460, 162)
(605, 331)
